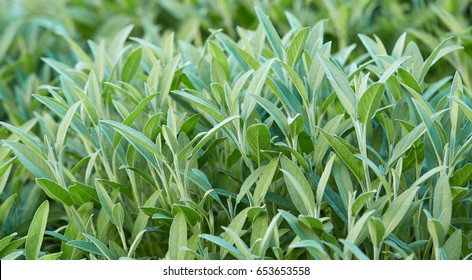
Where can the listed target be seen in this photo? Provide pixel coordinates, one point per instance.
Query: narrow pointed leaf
(34, 238)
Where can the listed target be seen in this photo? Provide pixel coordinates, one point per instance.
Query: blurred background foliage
(31, 29)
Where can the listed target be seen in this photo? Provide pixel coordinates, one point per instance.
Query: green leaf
(302, 231)
(430, 128)
(355, 235)
(242, 57)
(6, 240)
(440, 51)
(453, 246)
(397, 210)
(442, 202)
(167, 77)
(255, 87)
(466, 109)
(271, 33)
(66, 121)
(377, 172)
(78, 219)
(101, 247)
(320, 189)
(462, 176)
(249, 181)
(192, 216)
(265, 180)
(12, 246)
(123, 189)
(353, 163)
(75, 228)
(259, 78)
(131, 65)
(343, 180)
(55, 191)
(5, 209)
(392, 68)
(339, 81)
(456, 91)
(170, 139)
(234, 237)
(51, 257)
(7, 36)
(224, 244)
(34, 162)
(83, 192)
(399, 45)
(134, 245)
(5, 171)
(372, 48)
(219, 55)
(427, 175)
(296, 124)
(105, 200)
(370, 102)
(290, 97)
(65, 71)
(298, 194)
(61, 110)
(281, 146)
(79, 52)
(313, 245)
(140, 142)
(263, 176)
(206, 137)
(13, 256)
(134, 114)
(275, 112)
(236, 225)
(360, 201)
(93, 91)
(462, 151)
(405, 143)
(85, 246)
(297, 46)
(376, 231)
(142, 219)
(436, 230)
(188, 126)
(57, 235)
(90, 107)
(258, 138)
(355, 250)
(271, 230)
(298, 187)
(408, 80)
(200, 179)
(204, 105)
(118, 215)
(178, 237)
(34, 238)
(29, 141)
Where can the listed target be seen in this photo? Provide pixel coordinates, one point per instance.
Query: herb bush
(287, 138)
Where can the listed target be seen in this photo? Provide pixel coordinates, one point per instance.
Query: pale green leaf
(397, 210)
(34, 238)
(178, 237)
(271, 33)
(55, 191)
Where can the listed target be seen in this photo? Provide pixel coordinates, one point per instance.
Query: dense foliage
(244, 129)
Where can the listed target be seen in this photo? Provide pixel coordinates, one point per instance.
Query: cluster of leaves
(169, 145)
